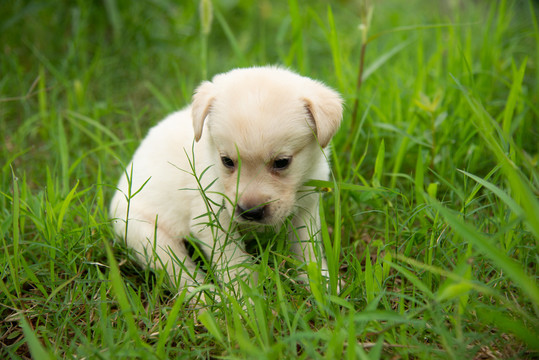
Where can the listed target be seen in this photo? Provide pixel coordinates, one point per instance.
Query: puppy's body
(259, 136)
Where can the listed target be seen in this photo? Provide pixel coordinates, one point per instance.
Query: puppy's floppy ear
(202, 101)
(325, 108)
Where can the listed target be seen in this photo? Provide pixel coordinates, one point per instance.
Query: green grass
(432, 219)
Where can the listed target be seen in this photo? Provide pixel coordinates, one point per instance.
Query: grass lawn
(431, 220)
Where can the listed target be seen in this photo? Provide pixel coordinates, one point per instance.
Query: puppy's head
(265, 128)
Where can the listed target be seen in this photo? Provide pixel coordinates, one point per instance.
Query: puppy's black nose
(254, 214)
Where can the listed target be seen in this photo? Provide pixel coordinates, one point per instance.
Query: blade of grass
(512, 204)
(335, 252)
(514, 92)
(528, 335)
(65, 206)
(536, 35)
(511, 267)
(13, 261)
(521, 188)
(369, 277)
(115, 18)
(232, 40)
(127, 314)
(208, 320)
(63, 152)
(419, 183)
(403, 149)
(379, 165)
(36, 349)
(412, 278)
(172, 318)
(335, 48)
(382, 59)
(313, 270)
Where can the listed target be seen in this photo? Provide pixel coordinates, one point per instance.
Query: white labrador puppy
(236, 159)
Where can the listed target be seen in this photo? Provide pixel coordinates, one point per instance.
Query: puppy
(235, 160)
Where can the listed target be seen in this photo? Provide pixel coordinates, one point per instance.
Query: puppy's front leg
(156, 247)
(305, 240)
(227, 255)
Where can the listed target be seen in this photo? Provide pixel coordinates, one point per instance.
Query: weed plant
(431, 219)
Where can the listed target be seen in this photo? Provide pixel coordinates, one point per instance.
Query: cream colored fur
(271, 125)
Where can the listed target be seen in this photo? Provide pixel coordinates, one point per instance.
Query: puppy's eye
(281, 164)
(227, 162)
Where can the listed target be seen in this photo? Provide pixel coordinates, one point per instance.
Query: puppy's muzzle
(258, 213)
